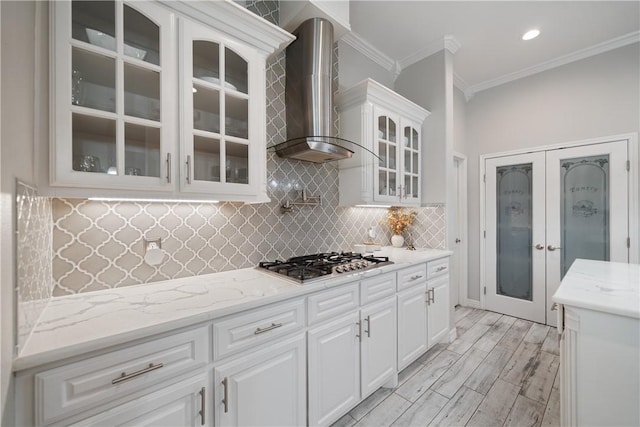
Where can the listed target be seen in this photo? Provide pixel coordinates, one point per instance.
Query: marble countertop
(610, 287)
(81, 323)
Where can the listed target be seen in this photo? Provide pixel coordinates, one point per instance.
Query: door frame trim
(633, 177)
(463, 207)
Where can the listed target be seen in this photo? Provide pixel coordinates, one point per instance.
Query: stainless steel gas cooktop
(307, 268)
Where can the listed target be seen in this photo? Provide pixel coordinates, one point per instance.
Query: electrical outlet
(152, 244)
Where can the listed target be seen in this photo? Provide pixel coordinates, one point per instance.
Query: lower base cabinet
(412, 324)
(438, 310)
(186, 403)
(266, 387)
(378, 346)
(334, 369)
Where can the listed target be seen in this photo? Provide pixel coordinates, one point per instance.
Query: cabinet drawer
(72, 388)
(328, 304)
(239, 332)
(437, 268)
(377, 288)
(412, 276)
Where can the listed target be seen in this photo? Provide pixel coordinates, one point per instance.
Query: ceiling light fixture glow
(531, 34)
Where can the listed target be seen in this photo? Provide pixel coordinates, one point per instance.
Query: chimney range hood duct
(309, 96)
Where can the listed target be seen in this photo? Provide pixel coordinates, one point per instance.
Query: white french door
(542, 211)
(515, 255)
(587, 204)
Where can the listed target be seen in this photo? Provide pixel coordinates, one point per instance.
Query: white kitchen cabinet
(412, 324)
(438, 310)
(390, 126)
(114, 75)
(334, 369)
(185, 403)
(122, 87)
(263, 388)
(378, 345)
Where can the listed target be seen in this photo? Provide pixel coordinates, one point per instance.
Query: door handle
(169, 168)
(538, 247)
(188, 169)
(203, 402)
(368, 330)
(458, 240)
(553, 248)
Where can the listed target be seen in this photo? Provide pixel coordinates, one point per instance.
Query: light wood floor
(500, 371)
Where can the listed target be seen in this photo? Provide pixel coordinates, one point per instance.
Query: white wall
(597, 96)
(18, 47)
(459, 121)
(425, 84)
(354, 67)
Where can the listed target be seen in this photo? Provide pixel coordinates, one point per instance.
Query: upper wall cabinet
(390, 126)
(159, 99)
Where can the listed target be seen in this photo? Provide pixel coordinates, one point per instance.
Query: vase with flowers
(399, 221)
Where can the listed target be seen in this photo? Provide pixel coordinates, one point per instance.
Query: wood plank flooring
(500, 371)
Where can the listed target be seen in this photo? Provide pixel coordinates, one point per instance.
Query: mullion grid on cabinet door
(119, 88)
(223, 113)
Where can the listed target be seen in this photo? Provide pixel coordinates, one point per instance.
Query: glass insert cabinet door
(386, 142)
(410, 144)
(217, 93)
(114, 77)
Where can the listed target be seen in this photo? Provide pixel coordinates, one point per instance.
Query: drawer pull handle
(268, 328)
(416, 277)
(203, 403)
(125, 376)
(432, 294)
(359, 334)
(225, 399)
(444, 267)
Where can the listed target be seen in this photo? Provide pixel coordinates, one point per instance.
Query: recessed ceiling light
(531, 34)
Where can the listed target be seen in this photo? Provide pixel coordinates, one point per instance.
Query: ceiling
(488, 33)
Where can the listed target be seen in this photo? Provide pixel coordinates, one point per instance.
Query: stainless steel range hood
(309, 96)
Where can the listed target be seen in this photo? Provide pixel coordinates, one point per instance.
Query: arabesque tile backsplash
(98, 245)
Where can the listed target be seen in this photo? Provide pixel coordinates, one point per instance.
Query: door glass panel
(206, 61)
(93, 80)
(407, 185)
(237, 117)
(94, 143)
(94, 22)
(206, 159)
(382, 127)
(141, 92)
(514, 231)
(392, 184)
(414, 190)
(206, 109)
(392, 156)
(392, 131)
(382, 153)
(415, 168)
(406, 139)
(237, 164)
(407, 160)
(141, 37)
(141, 150)
(382, 183)
(235, 74)
(415, 139)
(584, 210)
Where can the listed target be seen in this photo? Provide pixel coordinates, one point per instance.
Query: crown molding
(356, 41)
(447, 42)
(596, 49)
(462, 85)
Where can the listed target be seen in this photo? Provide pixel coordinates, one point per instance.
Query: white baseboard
(453, 334)
(471, 303)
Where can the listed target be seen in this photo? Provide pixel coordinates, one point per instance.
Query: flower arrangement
(399, 221)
